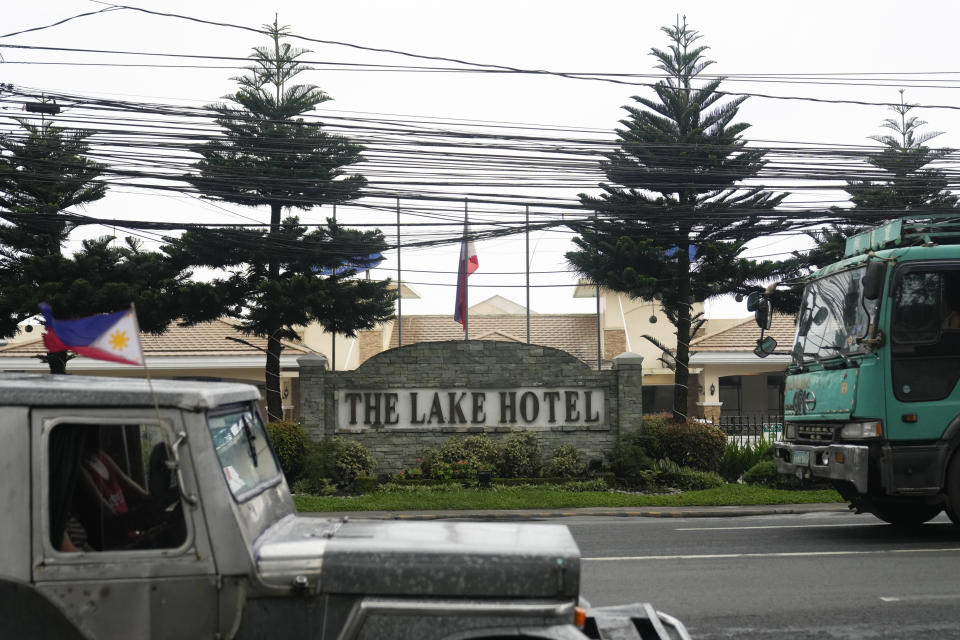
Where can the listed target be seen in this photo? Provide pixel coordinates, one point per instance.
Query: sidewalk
(621, 512)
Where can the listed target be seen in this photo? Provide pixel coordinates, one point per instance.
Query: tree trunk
(274, 399)
(57, 362)
(681, 374)
(274, 346)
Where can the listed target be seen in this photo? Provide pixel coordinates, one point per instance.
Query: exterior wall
(614, 343)
(479, 365)
(755, 398)
(370, 344)
(633, 316)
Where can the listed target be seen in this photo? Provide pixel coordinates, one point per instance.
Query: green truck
(871, 400)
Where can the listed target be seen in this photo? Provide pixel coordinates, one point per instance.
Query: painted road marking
(785, 526)
(920, 598)
(784, 554)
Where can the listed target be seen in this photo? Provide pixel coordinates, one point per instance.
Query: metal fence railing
(748, 428)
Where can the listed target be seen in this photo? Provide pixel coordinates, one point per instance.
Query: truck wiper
(248, 432)
(822, 359)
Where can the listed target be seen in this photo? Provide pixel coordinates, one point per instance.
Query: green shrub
(316, 487)
(628, 458)
(697, 445)
(289, 442)
(763, 473)
(578, 486)
(634, 452)
(650, 436)
(566, 462)
(337, 461)
(364, 484)
(520, 456)
(419, 489)
(460, 458)
(670, 474)
(483, 451)
(739, 457)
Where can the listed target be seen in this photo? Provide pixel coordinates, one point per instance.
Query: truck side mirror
(872, 281)
(765, 346)
(753, 301)
(764, 315)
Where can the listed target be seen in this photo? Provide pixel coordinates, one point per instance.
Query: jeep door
(116, 544)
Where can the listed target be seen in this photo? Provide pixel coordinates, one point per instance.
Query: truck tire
(953, 489)
(905, 514)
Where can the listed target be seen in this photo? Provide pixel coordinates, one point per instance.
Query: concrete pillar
(313, 370)
(629, 368)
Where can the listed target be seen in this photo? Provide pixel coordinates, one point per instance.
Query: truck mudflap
(846, 462)
(639, 621)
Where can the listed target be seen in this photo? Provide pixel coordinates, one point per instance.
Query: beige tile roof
(214, 338)
(743, 336)
(574, 333)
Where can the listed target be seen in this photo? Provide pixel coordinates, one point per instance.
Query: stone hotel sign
(402, 401)
(434, 408)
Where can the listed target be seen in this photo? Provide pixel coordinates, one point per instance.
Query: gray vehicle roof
(47, 390)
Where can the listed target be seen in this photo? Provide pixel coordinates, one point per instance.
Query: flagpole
(333, 334)
(399, 285)
(464, 273)
(599, 327)
(526, 263)
(146, 369)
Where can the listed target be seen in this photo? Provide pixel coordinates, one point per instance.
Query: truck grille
(818, 431)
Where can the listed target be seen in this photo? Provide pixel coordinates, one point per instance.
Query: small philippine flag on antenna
(108, 336)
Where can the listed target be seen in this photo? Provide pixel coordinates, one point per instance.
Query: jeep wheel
(905, 514)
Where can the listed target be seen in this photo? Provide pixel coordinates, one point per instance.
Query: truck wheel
(905, 514)
(953, 489)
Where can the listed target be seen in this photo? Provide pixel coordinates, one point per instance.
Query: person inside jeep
(100, 504)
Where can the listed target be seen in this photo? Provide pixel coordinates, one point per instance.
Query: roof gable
(744, 336)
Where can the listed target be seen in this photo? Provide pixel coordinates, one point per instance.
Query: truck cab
(158, 510)
(871, 399)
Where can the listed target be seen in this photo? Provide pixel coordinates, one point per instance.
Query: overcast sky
(889, 39)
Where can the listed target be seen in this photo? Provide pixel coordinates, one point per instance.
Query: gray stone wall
(476, 364)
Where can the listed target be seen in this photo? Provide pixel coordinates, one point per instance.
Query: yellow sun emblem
(119, 340)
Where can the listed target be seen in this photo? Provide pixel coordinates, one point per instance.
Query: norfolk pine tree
(673, 221)
(906, 185)
(44, 172)
(270, 156)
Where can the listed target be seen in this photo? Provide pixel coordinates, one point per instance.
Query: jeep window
(111, 489)
(244, 452)
(925, 332)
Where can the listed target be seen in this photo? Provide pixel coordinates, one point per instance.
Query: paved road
(817, 575)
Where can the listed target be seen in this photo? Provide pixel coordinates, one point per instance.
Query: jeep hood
(460, 559)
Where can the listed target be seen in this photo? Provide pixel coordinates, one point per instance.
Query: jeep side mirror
(872, 281)
(765, 346)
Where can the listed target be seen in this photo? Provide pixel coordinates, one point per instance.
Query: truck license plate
(801, 458)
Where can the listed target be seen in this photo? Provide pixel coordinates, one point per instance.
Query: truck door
(115, 545)
(924, 366)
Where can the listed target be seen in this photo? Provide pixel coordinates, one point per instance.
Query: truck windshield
(245, 455)
(833, 317)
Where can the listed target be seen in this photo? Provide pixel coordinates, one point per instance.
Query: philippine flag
(109, 336)
(468, 264)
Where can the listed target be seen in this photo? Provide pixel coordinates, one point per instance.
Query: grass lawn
(427, 498)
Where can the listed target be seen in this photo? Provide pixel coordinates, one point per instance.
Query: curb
(527, 514)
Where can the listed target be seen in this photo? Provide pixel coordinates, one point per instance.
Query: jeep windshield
(244, 452)
(833, 317)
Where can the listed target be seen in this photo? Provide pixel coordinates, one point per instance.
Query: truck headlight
(861, 430)
(789, 431)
